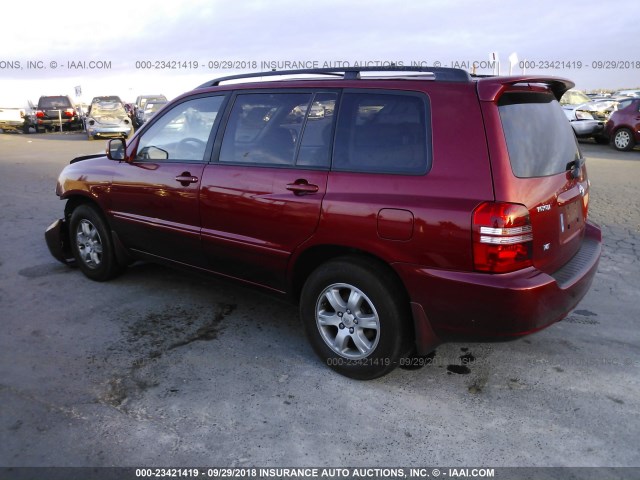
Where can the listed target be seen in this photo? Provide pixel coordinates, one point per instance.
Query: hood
(86, 157)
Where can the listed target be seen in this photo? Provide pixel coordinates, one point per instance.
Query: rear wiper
(575, 166)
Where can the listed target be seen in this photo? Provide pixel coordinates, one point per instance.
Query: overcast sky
(40, 35)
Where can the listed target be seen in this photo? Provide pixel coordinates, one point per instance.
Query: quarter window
(382, 133)
(182, 133)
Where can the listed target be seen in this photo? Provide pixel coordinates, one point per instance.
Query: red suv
(399, 211)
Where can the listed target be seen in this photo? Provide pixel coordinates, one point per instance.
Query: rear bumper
(57, 238)
(66, 122)
(504, 305)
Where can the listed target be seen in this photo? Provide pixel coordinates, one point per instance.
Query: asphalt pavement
(165, 368)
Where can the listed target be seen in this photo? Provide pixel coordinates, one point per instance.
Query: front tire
(355, 314)
(623, 140)
(92, 245)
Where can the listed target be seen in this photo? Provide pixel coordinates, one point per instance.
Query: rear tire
(92, 245)
(356, 316)
(623, 140)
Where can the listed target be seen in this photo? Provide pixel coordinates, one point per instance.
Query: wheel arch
(123, 255)
(75, 200)
(423, 336)
(317, 255)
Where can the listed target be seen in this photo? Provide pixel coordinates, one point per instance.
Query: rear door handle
(302, 187)
(185, 178)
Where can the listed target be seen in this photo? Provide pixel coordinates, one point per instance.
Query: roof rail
(353, 73)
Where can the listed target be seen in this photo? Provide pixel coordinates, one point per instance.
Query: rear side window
(265, 128)
(539, 137)
(383, 133)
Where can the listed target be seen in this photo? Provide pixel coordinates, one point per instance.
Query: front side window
(182, 133)
(383, 133)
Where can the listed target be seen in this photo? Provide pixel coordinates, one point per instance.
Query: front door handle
(302, 187)
(185, 178)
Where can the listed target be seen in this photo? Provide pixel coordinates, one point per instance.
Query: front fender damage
(58, 242)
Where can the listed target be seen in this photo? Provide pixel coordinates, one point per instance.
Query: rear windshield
(54, 102)
(539, 137)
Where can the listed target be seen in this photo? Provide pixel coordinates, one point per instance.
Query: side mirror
(116, 149)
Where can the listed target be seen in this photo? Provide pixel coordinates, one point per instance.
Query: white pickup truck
(15, 119)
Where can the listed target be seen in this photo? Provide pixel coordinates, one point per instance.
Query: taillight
(502, 237)
(39, 114)
(69, 112)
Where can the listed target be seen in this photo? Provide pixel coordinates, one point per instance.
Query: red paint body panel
(251, 223)
(154, 213)
(477, 304)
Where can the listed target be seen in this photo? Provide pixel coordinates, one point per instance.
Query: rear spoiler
(490, 88)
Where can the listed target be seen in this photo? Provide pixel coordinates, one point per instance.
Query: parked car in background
(141, 102)
(16, 119)
(57, 112)
(623, 127)
(626, 93)
(390, 233)
(151, 108)
(587, 117)
(598, 95)
(105, 98)
(107, 118)
(129, 108)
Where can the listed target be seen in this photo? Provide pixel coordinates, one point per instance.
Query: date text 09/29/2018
(309, 64)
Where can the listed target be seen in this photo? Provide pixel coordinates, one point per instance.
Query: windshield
(107, 108)
(539, 138)
(574, 97)
(154, 106)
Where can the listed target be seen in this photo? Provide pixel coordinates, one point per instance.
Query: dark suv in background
(398, 211)
(141, 103)
(56, 111)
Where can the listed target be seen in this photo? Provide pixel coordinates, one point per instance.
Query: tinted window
(182, 133)
(54, 102)
(539, 137)
(314, 150)
(264, 128)
(624, 104)
(385, 133)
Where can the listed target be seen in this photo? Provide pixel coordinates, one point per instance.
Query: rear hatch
(50, 106)
(538, 163)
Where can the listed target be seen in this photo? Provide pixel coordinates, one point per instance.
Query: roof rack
(353, 73)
